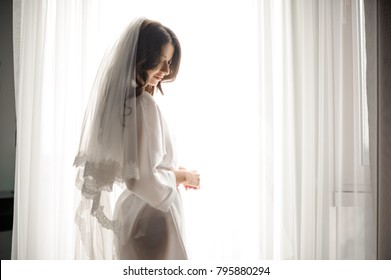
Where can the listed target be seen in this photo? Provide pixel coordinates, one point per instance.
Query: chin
(153, 83)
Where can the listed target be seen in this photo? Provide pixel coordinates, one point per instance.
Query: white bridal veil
(107, 153)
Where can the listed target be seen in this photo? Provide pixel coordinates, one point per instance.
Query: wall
(7, 128)
(384, 126)
(7, 99)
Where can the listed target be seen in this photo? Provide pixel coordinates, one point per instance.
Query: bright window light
(213, 110)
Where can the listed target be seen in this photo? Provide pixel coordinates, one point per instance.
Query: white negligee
(150, 209)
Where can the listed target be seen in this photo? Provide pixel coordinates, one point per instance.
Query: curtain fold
(52, 51)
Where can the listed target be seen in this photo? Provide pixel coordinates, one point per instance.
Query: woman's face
(157, 74)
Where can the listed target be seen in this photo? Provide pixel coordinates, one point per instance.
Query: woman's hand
(189, 178)
(192, 180)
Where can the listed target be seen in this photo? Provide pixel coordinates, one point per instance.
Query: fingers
(192, 180)
(195, 180)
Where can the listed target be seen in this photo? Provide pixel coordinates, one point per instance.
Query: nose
(165, 68)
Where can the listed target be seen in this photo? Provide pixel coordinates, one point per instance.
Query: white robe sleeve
(157, 183)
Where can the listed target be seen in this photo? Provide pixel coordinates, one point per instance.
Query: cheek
(150, 78)
(151, 73)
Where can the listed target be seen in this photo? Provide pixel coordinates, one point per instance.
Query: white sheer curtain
(53, 43)
(266, 107)
(316, 198)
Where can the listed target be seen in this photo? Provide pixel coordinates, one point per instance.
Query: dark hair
(152, 37)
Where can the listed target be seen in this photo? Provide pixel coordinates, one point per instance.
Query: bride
(126, 143)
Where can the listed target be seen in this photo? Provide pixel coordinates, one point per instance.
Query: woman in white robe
(126, 141)
(151, 207)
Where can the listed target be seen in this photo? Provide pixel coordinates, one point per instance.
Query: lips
(159, 77)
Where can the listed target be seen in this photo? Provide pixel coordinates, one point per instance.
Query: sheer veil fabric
(125, 144)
